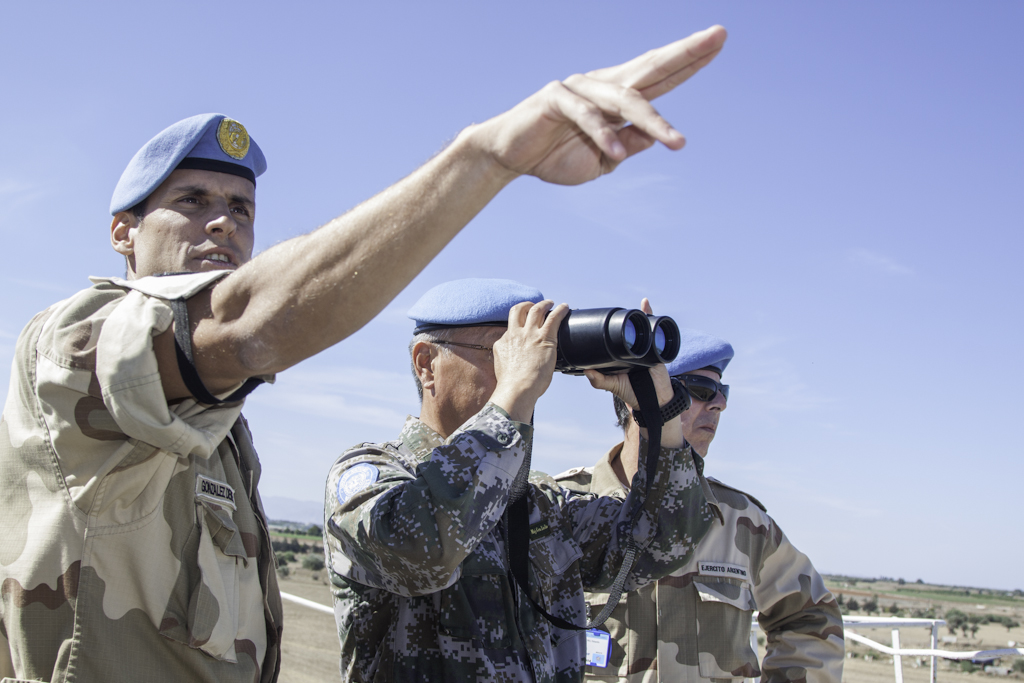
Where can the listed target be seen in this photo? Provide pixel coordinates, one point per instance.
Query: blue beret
(208, 142)
(700, 350)
(470, 303)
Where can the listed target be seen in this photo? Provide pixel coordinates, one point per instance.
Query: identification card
(599, 648)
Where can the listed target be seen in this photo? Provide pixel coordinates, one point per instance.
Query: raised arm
(306, 294)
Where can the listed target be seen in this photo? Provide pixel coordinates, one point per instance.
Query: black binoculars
(614, 340)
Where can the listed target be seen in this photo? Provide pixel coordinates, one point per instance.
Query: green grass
(890, 590)
(296, 536)
(956, 596)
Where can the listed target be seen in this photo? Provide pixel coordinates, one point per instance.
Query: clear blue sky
(847, 212)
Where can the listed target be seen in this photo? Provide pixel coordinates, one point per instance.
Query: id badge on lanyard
(599, 648)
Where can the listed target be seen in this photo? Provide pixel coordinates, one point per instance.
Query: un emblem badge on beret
(355, 479)
(233, 138)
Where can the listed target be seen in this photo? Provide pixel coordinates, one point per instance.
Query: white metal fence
(852, 623)
(850, 626)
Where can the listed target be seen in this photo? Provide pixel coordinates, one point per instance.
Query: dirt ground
(309, 650)
(879, 668)
(864, 665)
(310, 647)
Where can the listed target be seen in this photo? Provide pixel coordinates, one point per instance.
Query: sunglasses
(704, 388)
(478, 347)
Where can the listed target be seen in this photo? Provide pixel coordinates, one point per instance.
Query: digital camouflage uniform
(694, 624)
(133, 542)
(419, 563)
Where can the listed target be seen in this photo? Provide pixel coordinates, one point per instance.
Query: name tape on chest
(215, 491)
(539, 530)
(724, 569)
(355, 479)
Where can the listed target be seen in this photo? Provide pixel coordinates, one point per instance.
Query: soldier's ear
(122, 232)
(423, 364)
(122, 238)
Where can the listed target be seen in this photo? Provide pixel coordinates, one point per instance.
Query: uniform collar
(604, 481)
(419, 438)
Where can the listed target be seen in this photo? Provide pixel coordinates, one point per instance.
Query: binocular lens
(629, 334)
(659, 339)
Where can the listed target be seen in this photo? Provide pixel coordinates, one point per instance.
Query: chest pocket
(724, 611)
(479, 606)
(205, 614)
(550, 557)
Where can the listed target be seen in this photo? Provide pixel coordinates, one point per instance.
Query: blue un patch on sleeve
(355, 479)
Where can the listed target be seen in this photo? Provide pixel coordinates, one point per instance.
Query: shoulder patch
(356, 478)
(755, 501)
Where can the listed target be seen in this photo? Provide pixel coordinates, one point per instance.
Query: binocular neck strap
(517, 513)
(187, 364)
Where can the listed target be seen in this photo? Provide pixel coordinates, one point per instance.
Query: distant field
(296, 536)
(958, 596)
(892, 590)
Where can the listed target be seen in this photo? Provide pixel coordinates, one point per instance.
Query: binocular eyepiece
(614, 340)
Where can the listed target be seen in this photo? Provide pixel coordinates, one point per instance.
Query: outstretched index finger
(658, 71)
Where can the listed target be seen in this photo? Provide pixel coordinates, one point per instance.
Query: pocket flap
(552, 555)
(736, 594)
(223, 530)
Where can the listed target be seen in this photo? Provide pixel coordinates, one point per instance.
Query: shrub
(283, 570)
(284, 557)
(313, 562)
(852, 604)
(956, 619)
(1018, 665)
(871, 606)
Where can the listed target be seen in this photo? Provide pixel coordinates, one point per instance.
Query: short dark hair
(623, 413)
(139, 210)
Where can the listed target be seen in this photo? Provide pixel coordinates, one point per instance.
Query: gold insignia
(233, 138)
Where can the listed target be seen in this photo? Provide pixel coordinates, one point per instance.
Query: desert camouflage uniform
(694, 625)
(133, 543)
(419, 562)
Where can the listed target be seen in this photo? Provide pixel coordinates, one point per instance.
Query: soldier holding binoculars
(418, 536)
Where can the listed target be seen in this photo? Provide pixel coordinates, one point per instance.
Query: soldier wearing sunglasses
(695, 623)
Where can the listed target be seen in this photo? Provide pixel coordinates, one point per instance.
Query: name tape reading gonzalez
(355, 479)
(732, 571)
(215, 491)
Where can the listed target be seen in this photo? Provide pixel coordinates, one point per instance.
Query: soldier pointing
(134, 544)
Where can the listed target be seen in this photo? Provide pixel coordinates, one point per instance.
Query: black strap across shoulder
(518, 513)
(187, 365)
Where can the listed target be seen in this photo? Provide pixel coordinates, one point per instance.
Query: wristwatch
(680, 402)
